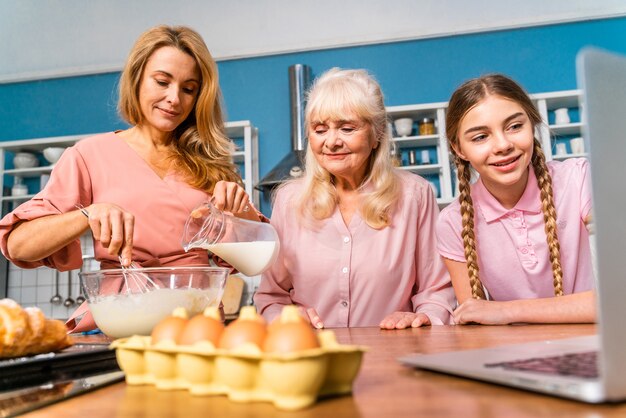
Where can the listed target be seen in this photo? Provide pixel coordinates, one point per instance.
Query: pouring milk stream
(250, 247)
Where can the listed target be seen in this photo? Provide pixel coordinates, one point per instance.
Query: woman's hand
(480, 311)
(113, 227)
(231, 197)
(313, 317)
(402, 320)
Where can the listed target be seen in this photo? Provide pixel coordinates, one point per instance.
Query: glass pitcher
(250, 247)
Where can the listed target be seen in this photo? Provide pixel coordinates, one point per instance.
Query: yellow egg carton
(290, 381)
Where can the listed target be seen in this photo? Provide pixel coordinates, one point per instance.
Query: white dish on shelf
(25, 160)
(52, 154)
(561, 116)
(404, 126)
(577, 145)
(19, 190)
(561, 149)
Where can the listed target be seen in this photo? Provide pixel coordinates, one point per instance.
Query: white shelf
(442, 203)
(416, 141)
(38, 144)
(558, 99)
(440, 165)
(16, 198)
(29, 172)
(567, 129)
(569, 155)
(423, 168)
(246, 155)
(555, 133)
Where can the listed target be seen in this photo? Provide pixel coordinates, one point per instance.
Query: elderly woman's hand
(313, 317)
(113, 227)
(402, 320)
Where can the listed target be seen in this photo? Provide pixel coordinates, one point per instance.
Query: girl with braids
(357, 235)
(135, 188)
(515, 241)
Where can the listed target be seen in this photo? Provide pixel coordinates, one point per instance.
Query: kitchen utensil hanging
(57, 298)
(80, 298)
(68, 302)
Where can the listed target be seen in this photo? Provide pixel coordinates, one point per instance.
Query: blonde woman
(515, 241)
(136, 187)
(357, 236)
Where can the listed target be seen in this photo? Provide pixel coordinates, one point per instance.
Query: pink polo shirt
(355, 275)
(513, 254)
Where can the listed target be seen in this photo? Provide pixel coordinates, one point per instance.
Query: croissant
(27, 331)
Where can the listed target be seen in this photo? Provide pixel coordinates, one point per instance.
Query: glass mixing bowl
(126, 302)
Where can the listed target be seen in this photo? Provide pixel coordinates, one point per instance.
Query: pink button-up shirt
(513, 255)
(354, 275)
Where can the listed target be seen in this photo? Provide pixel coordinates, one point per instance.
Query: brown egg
(290, 337)
(248, 328)
(201, 328)
(243, 331)
(290, 332)
(171, 327)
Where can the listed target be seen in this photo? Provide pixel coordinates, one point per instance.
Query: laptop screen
(602, 77)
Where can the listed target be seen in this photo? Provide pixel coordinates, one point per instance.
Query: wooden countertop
(383, 388)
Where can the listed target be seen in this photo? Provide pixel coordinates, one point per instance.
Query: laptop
(599, 360)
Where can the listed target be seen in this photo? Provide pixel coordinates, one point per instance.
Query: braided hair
(462, 100)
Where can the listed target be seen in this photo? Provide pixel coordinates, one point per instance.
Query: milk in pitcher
(249, 258)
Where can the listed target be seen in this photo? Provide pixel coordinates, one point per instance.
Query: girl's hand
(113, 227)
(589, 224)
(402, 320)
(486, 312)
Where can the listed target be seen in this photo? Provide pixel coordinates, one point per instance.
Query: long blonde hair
(335, 95)
(202, 151)
(462, 100)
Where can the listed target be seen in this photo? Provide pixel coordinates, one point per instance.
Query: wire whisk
(136, 281)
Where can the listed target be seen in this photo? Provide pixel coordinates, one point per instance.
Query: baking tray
(79, 360)
(18, 401)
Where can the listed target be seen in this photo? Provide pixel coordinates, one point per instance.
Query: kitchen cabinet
(561, 139)
(428, 154)
(245, 156)
(31, 176)
(411, 150)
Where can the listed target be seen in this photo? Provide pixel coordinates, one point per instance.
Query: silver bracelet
(82, 210)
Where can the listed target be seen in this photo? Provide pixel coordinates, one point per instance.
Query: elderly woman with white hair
(358, 245)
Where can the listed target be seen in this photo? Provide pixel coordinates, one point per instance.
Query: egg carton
(290, 381)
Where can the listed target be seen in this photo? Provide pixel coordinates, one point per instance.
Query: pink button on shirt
(513, 255)
(355, 275)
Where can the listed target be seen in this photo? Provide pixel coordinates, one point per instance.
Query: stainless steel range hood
(291, 166)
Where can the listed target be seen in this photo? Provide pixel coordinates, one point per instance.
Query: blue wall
(541, 58)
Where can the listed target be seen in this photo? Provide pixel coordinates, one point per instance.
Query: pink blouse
(354, 275)
(513, 255)
(103, 168)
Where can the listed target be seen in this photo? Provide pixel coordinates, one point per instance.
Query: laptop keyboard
(582, 365)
